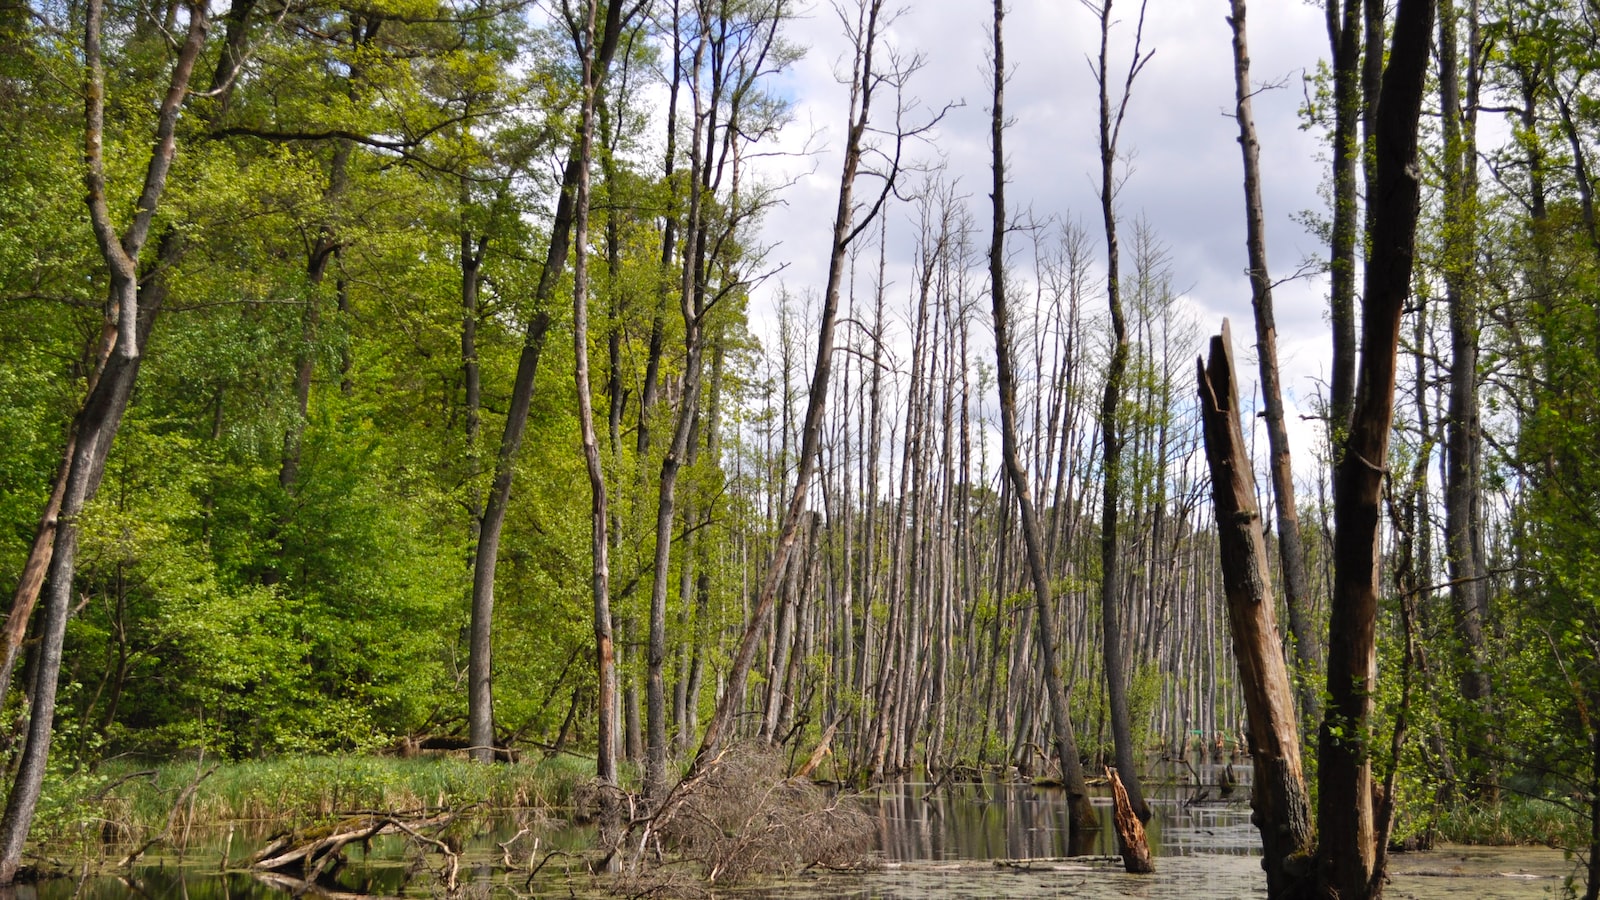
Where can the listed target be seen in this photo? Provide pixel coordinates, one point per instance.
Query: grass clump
(128, 801)
(1513, 820)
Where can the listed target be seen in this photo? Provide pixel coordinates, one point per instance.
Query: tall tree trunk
(1279, 798)
(1344, 810)
(97, 423)
(480, 667)
(1463, 431)
(1110, 425)
(691, 299)
(669, 238)
(864, 82)
(608, 136)
(1291, 552)
(1083, 815)
(700, 551)
(1344, 38)
(600, 583)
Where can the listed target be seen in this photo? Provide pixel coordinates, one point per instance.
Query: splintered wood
(1130, 831)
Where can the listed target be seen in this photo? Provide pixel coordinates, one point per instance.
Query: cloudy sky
(1182, 160)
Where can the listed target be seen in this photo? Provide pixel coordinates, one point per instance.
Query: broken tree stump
(1130, 831)
(824, 748)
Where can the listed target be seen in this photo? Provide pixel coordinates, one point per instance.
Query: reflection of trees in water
(1017, 821)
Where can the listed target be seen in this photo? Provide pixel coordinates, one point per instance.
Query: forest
(397, 377)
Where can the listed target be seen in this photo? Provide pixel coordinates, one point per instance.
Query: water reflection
(1003, 820)
(916, 823)
(161, 883)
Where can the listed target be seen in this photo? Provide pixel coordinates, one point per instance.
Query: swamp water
(994, 840)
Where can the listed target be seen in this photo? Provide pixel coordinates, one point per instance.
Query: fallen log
(1130, 831)
(1053, 862)
(314, 851)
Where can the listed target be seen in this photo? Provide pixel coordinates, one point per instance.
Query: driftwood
(1130, 831)
(1054, 863)
(310, 854)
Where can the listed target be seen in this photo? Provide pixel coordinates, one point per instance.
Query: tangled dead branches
(740, 815)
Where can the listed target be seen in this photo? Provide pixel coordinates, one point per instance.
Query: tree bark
(1344, 38)
(1130, 831)
(1282, 807)
(1347, 851)
(1463, 431)
(599, 547)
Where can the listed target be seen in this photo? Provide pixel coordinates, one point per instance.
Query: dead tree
(1111, 437)
(1282, 806)
(868, 76)
(1083, 815)
(1291, 552)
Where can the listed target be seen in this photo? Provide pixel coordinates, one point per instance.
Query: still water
(993, 840)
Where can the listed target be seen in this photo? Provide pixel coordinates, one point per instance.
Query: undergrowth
(1513, 820)
(123, 802)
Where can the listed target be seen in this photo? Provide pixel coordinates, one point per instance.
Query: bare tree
(744, 45)
(1111, 437)
(1291, 552)
(1279, 797)
(600, 584)
(1083, 815)
(864, 24)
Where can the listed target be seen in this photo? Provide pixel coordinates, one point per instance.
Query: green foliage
(267, 571)
(1144, 691)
